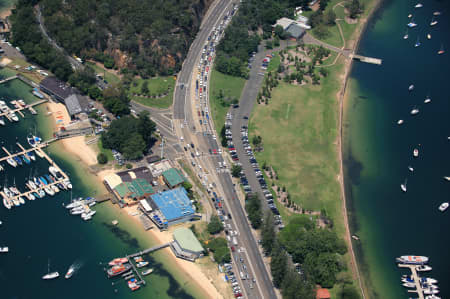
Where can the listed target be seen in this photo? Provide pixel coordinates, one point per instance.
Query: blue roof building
(174, 207)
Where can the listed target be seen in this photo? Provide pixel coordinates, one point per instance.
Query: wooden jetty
(8, 79)
(366, 59)
(41, 153)
(416, 278)
(19, 110)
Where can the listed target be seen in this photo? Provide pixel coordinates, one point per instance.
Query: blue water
(377, 151)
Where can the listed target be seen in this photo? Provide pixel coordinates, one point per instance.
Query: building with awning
(185, 244)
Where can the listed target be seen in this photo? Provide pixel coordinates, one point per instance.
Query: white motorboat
(21, 200)
(411, 24)
(423, 268)
(414, 111)
(436, 13)
(433, 22)
(7, 203)
(11, 162)
(418, 5)
(430, 291)
(400, 121)
(412, 259)
(415, 153)
(432, 297)
(428, 280)
(67, 183)
(13, 116)
(49, 191)
(443, 206)
(403, 186)
(428, 36)
(411, 87)
(427, 100)
(4, 249)
(406, 35)
(447, 178)
(54, 188)
(410, 168)
(32, 184)
(409, 285)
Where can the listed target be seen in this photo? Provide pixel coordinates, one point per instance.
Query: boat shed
(186, 245)
(171, 207)
(173, 177)
(56, 88)
(72, 103)
(295, 31)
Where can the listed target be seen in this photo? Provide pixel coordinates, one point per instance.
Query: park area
(154, 92)
(223, 90)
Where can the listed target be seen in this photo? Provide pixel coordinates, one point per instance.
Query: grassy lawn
(108, 75)
(274, 63)
(299, 130)
(105, 151)
(333, 37)
(231, 87)
(32, 75)
(156, 86)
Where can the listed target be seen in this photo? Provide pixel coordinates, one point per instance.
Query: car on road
(245, 117)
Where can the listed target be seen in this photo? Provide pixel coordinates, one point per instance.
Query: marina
(19, 107)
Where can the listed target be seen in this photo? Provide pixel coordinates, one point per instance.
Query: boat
(37, 195)
(18, 160)
(21, 200)
(49, 191)
(68, 184)
(39, 153)
(14, 190)
(412, 259)
(13, 116)
(427, 100)
(132, 284)
(33, 140)
(43, 180)
(54, 188)
(86, 218)
(29, 196)
(11, 162)
(418, 5)
(443, 206)
(441, 51)
(118, 261)
(2, 121)
(118, 269)
(25, 159)
(75, 203)
(447, 178)
(433, 22)
(410, 168)
(403, 186)
(417, 44)
(1, 167)
(414, 111)
(428, 36)
(32, 185)
(54, 172)
(6, 203)
(50, 275)
(432, 297)
(430, 291)
(409, 285)
(400, 121)
(436, 13)
(77, 210)
(138, 259)
(415, 153)
(4, 249)
(88, 214)
(147, 272)
(423, 268)
(142, 264)
(406, 35)
(15, 201)
(7, 192)
(32, 156)
(69, 272)
(41, 193)
(428, 280)
(411, 87)
(128, 273)
(411, 24)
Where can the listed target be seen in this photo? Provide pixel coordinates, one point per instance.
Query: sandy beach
(207, 284)
(75, 145)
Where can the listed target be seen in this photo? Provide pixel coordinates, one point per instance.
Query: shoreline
(85, 158)
(342, 101)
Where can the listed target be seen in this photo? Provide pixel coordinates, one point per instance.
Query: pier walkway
(19, 110)
(416, 278)
(149, 250)
(366, 59)
(40, 153)
(8, 79)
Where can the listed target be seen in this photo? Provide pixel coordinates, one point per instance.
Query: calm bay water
(377, 151)
(43, 229)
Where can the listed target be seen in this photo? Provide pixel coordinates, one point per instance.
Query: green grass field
(274, 63)
(108, 76)
(157, 85)
(299, 131)
(105, 151)
(231, 86)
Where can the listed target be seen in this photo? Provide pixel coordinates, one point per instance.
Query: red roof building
(323, 294)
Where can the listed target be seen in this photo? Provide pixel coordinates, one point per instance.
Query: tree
(269, 44)
(323, 72)
(268, 236)
(278, 265)
(279, 31)
(257, 140)
(102, 158)
(215, 226)
(330, 17)
(295, 286)
(322, 268)
(144, 88)
(321, 31)
(354, 9)
(253, 208)
(220, 249)
(236, 170)
(134, 147)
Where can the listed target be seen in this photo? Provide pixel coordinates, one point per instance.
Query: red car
(214, 151)
(237, 295)
(232, 248)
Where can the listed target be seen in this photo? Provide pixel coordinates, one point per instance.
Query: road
(184, 122)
